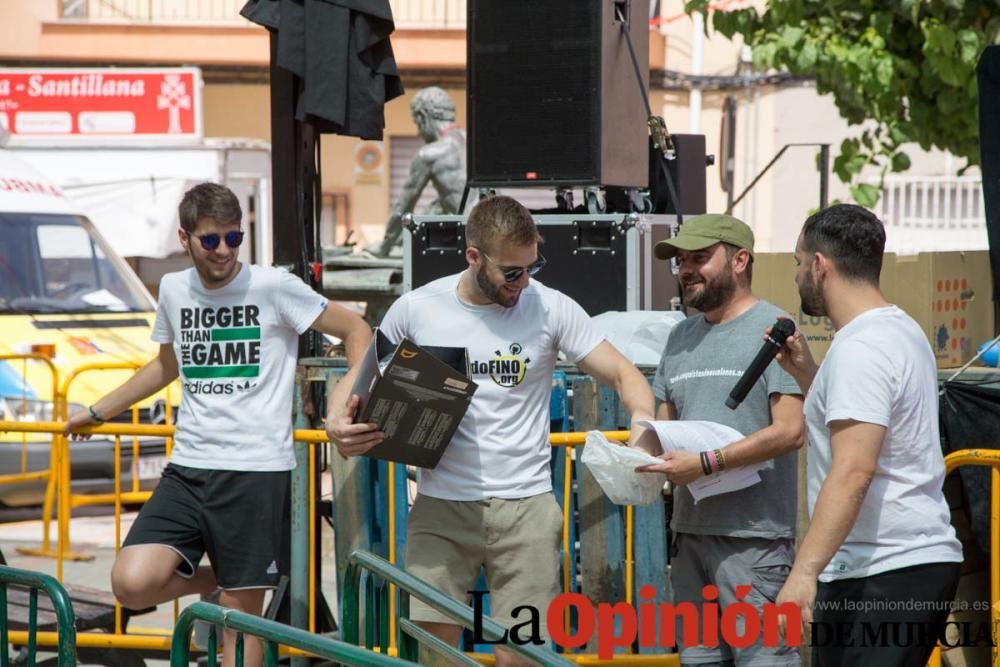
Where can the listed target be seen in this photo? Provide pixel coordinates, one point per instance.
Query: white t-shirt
(236, 347)
(880, 370)
(501, 448)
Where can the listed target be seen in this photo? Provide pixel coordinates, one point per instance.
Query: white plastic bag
(613, 466)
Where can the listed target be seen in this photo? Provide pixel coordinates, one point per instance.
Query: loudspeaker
(553, 98)
(688, 170)
(604, 262)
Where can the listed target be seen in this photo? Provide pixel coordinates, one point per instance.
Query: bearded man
(880, 528)
(742, 538)
(489, 504)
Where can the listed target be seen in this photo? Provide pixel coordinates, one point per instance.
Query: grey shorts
(516, 541)
(728, 562)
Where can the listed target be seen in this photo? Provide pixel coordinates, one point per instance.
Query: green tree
(907, 65)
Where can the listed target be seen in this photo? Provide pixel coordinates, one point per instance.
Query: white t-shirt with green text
(236, 348)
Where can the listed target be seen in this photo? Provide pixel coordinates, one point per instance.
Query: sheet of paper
(702, 436)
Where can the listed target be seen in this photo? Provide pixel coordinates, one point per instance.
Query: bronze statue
(440, 161)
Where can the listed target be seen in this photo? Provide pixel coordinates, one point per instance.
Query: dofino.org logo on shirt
(219, 345)
(507, 370)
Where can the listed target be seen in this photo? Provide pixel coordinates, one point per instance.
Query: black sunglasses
(512, 273)
(212, 241)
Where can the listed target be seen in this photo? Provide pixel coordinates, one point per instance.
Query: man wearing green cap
(743, 538)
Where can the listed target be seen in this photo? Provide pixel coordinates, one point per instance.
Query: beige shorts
(516, 541)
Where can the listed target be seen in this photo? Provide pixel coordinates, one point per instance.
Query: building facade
(691, 76)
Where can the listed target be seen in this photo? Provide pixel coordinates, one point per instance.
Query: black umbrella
(339, 51)
(332, 70)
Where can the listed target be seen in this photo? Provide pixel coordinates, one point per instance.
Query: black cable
(318, 203)
(635, 61)
(662, 161)
(304, 136)
(305, 170)
(465, 199)
(671, 187)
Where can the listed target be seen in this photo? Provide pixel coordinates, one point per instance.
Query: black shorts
(240, 519)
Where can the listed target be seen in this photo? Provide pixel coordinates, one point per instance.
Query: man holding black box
(489, 503)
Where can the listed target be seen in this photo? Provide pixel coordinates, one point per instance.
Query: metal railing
(47, 474)
(429, 14)
(410, 586)
(62, 607)
(144, 640)
(67, 500)
(989, 458)
(154, 11)
(933, 213)
(407, 14)
(273, 635)
(58, 475)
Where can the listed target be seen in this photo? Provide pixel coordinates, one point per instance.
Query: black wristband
(705, 465)
(93, 415)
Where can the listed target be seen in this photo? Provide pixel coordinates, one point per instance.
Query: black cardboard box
(417, 399)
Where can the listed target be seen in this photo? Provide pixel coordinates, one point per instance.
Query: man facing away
(743, 537)
(880, 529)
(489, 502)
(230, 332)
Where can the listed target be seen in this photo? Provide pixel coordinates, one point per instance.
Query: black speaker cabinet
(688, 170)
(604, 262)
(553, 97)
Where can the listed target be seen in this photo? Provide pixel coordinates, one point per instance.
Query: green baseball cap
(706, 230)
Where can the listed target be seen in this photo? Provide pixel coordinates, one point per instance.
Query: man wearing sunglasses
(230, 332)
(489, 501)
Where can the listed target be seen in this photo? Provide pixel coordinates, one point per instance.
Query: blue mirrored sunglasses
(212, 241)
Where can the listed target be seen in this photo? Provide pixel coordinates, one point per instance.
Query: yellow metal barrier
(48, 474)
(989, 458)
(570, 441)
(118, 639)
(69, 501)
(150, 641)
(155, 639)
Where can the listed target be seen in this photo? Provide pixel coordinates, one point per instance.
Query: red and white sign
(104, 106)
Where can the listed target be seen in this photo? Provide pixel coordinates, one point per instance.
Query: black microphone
(780, 332)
